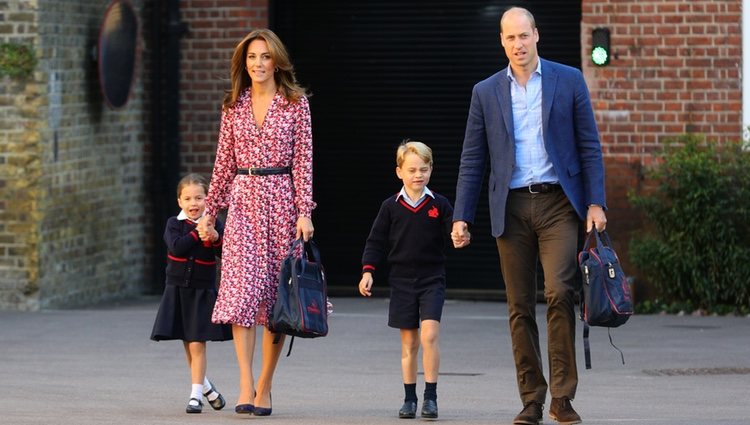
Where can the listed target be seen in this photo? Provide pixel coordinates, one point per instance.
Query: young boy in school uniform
(410, 233)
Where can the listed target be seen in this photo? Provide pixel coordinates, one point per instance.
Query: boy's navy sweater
(190, 262)
(413, 240)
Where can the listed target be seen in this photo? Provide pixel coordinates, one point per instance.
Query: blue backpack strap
(291, 342)
(277, 339)
(586, 345)
(582, 316)
(622, 356)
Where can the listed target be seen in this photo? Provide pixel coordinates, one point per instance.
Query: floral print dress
(262, 210)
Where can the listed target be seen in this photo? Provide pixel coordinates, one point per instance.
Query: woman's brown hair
(284, 77)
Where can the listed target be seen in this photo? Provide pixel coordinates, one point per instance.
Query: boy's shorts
(414, 300)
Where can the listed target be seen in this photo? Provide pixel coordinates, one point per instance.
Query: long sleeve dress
(262, 210)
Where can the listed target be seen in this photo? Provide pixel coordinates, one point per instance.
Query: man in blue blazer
(534, 124)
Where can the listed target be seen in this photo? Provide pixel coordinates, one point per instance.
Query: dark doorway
(387, 70)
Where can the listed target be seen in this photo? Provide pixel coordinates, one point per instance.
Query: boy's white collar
(425, 191)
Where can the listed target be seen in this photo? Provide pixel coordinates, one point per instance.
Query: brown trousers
(541, 226)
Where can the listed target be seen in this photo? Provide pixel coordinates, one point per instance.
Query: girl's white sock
(196, 391)
(207, 387)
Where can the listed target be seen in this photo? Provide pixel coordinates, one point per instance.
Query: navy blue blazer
(570, 134)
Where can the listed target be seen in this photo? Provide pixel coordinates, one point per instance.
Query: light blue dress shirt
(402, 194)
(532, 162)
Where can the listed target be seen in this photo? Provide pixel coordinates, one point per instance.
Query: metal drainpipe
(175, 30)
(167, 29)
(745, 73)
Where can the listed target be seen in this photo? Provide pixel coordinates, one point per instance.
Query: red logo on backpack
(313, 308)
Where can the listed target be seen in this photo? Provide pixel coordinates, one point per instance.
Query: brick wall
(72, 173)
(74, 225)
(20, 166)
(214, 29)
(675, 69)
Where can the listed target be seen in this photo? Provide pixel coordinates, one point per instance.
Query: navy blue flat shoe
(244, 409)
(264, 411)
(196, 407)
(217, 403)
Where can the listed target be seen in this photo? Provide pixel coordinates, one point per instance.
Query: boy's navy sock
(430, 390)
(410, 391)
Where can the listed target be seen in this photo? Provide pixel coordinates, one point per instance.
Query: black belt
(538, 188)
(264, 171)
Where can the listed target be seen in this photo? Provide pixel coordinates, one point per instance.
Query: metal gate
(382, 71)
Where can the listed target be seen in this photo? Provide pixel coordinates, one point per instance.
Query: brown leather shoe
(561, 411)
(530, 415)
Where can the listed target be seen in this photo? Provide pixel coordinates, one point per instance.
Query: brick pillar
(214, 29)
(21, 113)
(72, 180)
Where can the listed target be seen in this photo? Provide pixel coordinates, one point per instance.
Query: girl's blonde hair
(284, 76)
(192, 178)
(415, 147)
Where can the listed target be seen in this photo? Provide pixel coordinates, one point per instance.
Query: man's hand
(595, 217)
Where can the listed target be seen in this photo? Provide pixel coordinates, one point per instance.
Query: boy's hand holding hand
(460, 234)
(365, 284)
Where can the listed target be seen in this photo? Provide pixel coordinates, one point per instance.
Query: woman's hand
(212, 235)
(205, 227)
(305, 228)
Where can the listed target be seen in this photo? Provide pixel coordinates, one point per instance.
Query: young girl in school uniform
(190, 290)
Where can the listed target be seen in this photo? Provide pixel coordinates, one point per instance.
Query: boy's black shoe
(562, 411)
(429, 409)
(408, 410)
(530, 415)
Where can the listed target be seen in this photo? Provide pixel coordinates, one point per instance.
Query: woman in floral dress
(263, 177)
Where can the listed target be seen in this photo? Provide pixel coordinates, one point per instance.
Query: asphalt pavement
(98, 366)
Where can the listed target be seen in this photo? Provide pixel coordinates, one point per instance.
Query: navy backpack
(606, 298)
(301, 308)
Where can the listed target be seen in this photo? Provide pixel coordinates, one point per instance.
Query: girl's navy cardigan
(190, 261)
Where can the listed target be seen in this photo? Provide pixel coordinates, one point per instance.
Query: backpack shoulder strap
(586, 345)
(277, 339)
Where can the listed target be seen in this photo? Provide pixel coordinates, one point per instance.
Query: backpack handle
(602, 239)
(309, 245)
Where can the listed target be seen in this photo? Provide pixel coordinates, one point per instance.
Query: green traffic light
(600, 50)
(600, 56)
